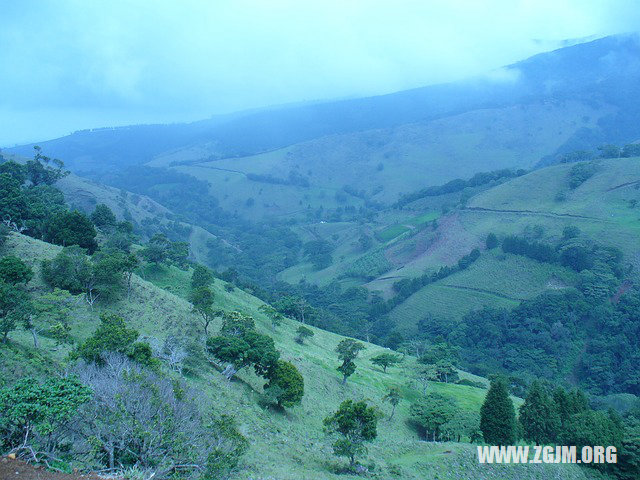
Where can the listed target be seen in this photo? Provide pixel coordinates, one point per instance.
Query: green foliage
(39, 172)
(13, 270)
(112, 335)
(201, 277)
(4, 232)
(102, 277)
(440, 352)
(348, 349)
(369, 266)
(355, 423)
(30, 411)
(580, 173)
(539, 416)
(386, 360)
(227, 451)
(103, 217)
(302, 333)
(464, 424)
(539, 251)
(202, 300)
(240, 345)
(72, 228)
(15, 307)
(13, 205)
(631, 150)
(491, 241)
(430, 413)
(497, 415)
(289, 383)
(69, 270)
(275, 316)
(393, 396)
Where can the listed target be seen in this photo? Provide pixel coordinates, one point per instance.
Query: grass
(289, 445)
(391, 232)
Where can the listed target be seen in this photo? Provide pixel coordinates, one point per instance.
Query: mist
(72, 65)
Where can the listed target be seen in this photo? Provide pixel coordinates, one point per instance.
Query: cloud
(189, 59)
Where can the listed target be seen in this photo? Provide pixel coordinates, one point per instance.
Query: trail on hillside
(483, 290)
(533, 212)
(622, 185)
(218, 168)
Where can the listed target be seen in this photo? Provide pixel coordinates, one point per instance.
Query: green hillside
(385, 163)
(283, 446)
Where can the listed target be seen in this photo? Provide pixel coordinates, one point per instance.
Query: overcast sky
(74, 64)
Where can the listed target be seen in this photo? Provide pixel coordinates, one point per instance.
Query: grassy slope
(413, 156)
(291, 445)
(495, 279)
(600, 207)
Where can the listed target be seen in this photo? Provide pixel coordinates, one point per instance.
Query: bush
(13, 270)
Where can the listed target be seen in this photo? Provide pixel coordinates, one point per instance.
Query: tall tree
(393, 396)
(497, 415)
(539, 416)
(202, 300)
(348, 349)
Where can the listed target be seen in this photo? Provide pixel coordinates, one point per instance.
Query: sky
(76, 64)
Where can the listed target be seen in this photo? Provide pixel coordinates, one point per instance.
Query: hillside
(283, 446)
(573, 98)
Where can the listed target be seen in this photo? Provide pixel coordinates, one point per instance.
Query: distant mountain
(603, 74)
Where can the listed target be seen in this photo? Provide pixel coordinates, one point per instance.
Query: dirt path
(628, 184)
(482, 290)
(12, 469)
(533, 212)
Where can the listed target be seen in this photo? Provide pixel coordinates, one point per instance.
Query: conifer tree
(497, 415)
(539, 416)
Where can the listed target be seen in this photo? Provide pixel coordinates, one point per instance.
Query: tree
(202, 300)
(274, 315)
(539, 416)
(294, 307)
(303, 333)
(72, 228)
(32, 411)
(156, 423)
(15, 307)
(69, 270)
(13, 206)
(497, 415)
(239, 345)
(348, 349)
(386, 360)
(201, 277)
(112, 335)
(39, 172)
(491, 241)
(13, 270)
(103, 217)
(129, 265)
(289, 383)
(463, 424)
(157, 250)
(354, 423)
(52, 311)
(430, 413)
(393, 397)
